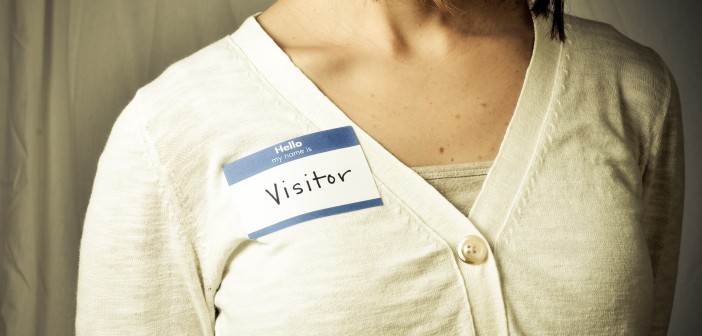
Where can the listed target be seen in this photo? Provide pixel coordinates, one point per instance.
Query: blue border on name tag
(318, 142)
(316, 214)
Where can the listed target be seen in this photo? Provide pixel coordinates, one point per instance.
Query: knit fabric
(581, 209)
(458, 183)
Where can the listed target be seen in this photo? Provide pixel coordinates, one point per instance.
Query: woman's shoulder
(213, 84)
(210, 99)
(597, 36)
(601, 48)
(596, 52)
(201, 75)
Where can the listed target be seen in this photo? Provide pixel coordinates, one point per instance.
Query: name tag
(315, 175)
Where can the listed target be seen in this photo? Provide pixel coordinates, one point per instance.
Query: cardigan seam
(176, 213)
(654, 145)
(526, 183)
(271, 91)
(516, 211)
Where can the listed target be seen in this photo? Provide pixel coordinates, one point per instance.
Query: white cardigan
(581, 209)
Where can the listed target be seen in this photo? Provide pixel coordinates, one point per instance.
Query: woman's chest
(396, 268)
(448, 112)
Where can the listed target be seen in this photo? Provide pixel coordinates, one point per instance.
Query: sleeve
(137, 274)
(663, 194)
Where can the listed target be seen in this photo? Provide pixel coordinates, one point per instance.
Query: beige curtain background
(67, 68)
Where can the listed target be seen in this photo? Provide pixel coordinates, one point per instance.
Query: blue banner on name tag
(293, 149)
(315, 175)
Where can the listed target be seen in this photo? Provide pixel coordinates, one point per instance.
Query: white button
(473, 250)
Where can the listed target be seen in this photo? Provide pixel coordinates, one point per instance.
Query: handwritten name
(299, 187)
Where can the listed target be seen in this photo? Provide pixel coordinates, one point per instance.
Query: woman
(574, 230)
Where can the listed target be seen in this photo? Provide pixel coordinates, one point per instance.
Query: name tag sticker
(315, 175)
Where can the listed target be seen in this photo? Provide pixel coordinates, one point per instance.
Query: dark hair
(555, 8)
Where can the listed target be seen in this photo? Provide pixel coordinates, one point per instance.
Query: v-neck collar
(505, 179)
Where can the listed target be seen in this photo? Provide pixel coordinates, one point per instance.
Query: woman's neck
(403, 27)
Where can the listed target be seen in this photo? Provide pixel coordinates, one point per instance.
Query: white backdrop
(67, 68)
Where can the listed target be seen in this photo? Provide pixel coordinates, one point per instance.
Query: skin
(432, 87)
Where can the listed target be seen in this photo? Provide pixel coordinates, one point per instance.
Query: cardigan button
(472, 250)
